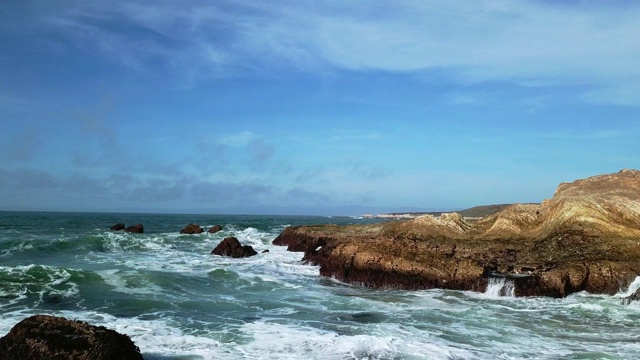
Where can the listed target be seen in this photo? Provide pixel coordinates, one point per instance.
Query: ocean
(177, 301)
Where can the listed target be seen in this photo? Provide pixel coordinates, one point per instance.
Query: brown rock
(137, 229)
(231, 247)
(215, 229)
(587, 237)
(56, 338)
(192, 229)
(117, 227)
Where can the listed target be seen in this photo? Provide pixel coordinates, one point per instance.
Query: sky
(312, 107)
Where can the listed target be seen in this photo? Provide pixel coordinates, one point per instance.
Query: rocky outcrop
(214, 229)
(50, 337)
(192, 229)
(231, 247)
(117, 227)
(587, 237)
(136, 229)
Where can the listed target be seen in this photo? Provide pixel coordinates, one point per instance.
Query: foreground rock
(192, 229)
(231, 247)
(587, 237)
(50, 337)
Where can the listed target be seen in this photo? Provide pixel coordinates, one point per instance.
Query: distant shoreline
(474, 212)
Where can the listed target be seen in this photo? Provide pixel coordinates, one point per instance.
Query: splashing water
(498, 287)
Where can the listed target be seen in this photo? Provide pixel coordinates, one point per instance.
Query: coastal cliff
(587, 237)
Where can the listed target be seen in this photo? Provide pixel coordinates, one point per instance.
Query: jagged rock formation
(57, 338)
(231, 247)
(587, 237)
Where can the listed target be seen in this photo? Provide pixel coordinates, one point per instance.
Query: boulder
(585, 238)
(215, 229)
(231, 247)
(137, 229)
(192, 229)
(57, 338)
(117, 227)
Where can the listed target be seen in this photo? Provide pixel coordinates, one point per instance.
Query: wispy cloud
(529, 43)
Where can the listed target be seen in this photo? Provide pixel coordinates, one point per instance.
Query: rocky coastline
(585, 238)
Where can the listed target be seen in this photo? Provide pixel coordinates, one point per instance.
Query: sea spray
(500, 286)
(633, 287)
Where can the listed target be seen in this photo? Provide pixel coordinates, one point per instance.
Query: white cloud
(530, 43)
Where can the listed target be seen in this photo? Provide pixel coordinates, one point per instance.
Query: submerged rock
(137, 229)
(231, 247)
(587, 237)
(192, 229)
(50, 337)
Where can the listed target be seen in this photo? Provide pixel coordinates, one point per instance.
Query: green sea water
(177, 301)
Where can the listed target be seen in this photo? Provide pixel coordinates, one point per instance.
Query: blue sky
(312, 107)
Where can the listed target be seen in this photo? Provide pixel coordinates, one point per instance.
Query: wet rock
(299, 242)
(231, 247)
(633, 297)
(136, 229)
(57, 338)
(192, 229)
(215, 229)
(117, 227)
(585, 238)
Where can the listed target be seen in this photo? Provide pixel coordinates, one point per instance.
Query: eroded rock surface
(587, 237)
(57, 338)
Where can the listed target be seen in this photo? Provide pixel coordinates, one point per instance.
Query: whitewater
(177, 301)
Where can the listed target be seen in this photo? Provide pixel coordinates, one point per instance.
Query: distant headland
(474, 212)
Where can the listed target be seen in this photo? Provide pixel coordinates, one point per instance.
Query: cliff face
(587, 237)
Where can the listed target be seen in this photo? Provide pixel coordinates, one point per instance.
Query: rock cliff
(587, 237)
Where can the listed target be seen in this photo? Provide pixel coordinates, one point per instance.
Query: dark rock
(265, 251)
(136, 229)
(302, 242)
(215, 229)
(192, 229)
(57, 338)
(117, 227)
(231, 247)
